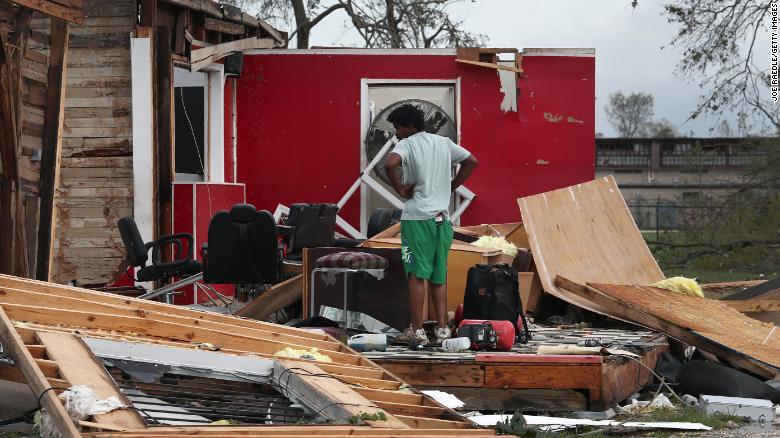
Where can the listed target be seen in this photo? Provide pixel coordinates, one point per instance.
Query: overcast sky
(629, 43)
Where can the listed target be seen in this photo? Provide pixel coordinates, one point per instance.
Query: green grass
(693, 415)
(710, 269)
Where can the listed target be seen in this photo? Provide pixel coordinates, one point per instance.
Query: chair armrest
(285, 230)
(180, 258)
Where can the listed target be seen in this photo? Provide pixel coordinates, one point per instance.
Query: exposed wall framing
(96, 185)
(30, 123)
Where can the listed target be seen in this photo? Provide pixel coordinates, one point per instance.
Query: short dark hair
(408, 115)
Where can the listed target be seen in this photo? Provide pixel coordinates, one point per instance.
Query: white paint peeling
(508, 81)
(552, 118)
(574, 198)
(542, 162)
(571, 119)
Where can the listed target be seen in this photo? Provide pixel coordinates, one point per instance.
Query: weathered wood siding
(96, 172)
(27, 101)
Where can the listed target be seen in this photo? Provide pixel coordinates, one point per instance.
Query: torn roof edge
(551, 51)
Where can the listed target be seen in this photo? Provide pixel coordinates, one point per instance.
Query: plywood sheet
(711, 319)
(587, 234)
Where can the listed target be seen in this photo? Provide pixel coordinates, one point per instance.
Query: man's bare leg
(439, 292)
(416, 300)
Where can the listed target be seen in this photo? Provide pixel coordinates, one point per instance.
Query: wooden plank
(206, 56)
(52, 146)
(754, 306)
(423, 423)
(223, 26)
(585, 377)
(50, 8)
(59, 290)
(549, 359)
(308, 384)
(620, 310)
(609, 247)
(516, 399)
(35, 379)
(78, 366)
(756, 341)
(11, 373)
(277, 297)
(163, 117)
(293, 430)
(118, 320)
(622, 377)
(429, 373)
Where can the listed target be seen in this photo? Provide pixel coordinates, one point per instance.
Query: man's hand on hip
(406, 192)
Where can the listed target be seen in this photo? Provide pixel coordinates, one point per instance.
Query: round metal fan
(436, 122)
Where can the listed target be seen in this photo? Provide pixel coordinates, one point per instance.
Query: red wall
(299, 127)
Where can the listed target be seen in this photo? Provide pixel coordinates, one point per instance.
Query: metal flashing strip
(553, 51)
(219, 365)
(352, 51)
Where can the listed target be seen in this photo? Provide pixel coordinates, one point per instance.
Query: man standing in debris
(427, 186)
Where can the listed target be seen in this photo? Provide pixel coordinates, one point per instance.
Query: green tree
(381, 23)
(630, 114)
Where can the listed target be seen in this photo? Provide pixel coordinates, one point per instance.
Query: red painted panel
(228, 122)
(299, 134)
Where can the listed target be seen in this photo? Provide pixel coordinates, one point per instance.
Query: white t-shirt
(427, 161)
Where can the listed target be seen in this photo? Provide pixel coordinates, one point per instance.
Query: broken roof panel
(44, 323)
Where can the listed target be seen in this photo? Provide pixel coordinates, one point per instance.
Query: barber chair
(242, 248)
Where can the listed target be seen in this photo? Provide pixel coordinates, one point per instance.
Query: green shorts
(425, 247)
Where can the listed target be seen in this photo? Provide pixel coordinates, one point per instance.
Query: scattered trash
(636, 406)
(456, 344)
(681, 285)
(575, 349)
(762, 411)
(554, 424)
(499, 243)
(311, 354)
(81, 401)
(368, 342)
(445, 398)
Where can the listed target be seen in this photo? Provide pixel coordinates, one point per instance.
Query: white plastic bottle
(456, 344)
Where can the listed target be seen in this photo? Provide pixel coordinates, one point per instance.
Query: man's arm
(466, 167)
(391, 166)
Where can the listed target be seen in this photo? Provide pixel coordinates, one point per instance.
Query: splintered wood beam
(223, 26)
(53, 118)
(35, 378)
(18, 296)
(308, 384)
(10, 373)
(60, 290)
(206, 56)
(78, 366)
(277, 297)
(150, 327)
(52, 9)
(754, 306)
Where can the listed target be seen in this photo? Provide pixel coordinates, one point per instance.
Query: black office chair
(309, 226)
(242, 248)
(138, 253)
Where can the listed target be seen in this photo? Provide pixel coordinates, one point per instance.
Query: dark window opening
(189, 129)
